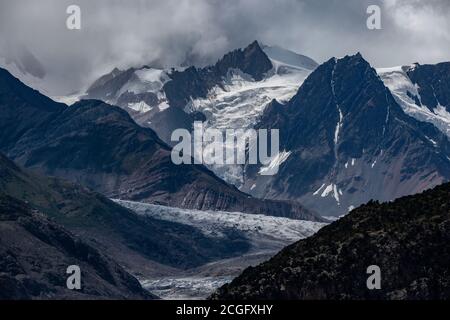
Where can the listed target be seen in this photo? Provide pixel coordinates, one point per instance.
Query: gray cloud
(128, 33)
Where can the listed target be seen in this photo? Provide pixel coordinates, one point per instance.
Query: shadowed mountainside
(36, 253)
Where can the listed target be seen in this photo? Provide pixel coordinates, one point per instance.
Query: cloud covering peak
(121, 34)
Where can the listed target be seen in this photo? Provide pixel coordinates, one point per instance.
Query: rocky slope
(264, 235)
(346, 140)
(407, 239)
(423, 91)
(176, 87)
(136, 242)
(101, 147)
(238, 87)
(36, 253)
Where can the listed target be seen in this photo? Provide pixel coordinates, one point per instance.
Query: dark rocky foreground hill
(35, 253)
(408, 239)
(101, 147)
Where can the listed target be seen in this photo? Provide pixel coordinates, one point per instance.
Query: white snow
(146, 80)
(338, 126)
(332, 190)
(332, 218)
(318, 190)
(336, 193)
(277, 160)
(68, 100)
(263, 231)
(289, 59)
(27, 78)
(374, 163)
(241, 100)
(431, 140)
(184, 288)
(399, 84)
(152, 75)
(163, 106)
(140, 106)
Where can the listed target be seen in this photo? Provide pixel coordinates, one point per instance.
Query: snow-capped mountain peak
(283, 60)
(230, 94)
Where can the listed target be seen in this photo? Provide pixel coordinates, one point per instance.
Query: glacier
(266, 235)
(398, 82)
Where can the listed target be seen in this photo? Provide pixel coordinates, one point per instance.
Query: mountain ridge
(101, 147)
(405, 238)
(357, 143)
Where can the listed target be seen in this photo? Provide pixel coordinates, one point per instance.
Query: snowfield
(240, 100)
(263, 232)
(266, 235)
(399, 84)
(185, 288)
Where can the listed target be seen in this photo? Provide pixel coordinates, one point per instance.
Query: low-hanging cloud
(119, 33)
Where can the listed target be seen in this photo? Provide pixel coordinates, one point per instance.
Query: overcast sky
(169, 32)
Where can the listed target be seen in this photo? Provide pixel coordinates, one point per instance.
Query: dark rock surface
(35, 253)
(196, 82)
(178, 89)
(408, 239)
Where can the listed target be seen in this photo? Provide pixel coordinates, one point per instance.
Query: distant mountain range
(349, 141)
(231, 94)
(136, 242)
(349, 133)
(407, 239)
(422, 91)
(101, 147)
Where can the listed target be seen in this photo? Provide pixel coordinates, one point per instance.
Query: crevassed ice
(241, 101)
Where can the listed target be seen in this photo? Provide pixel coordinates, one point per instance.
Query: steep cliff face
(348, 141)
(433, 83)
(113, 229)
(407, 239)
